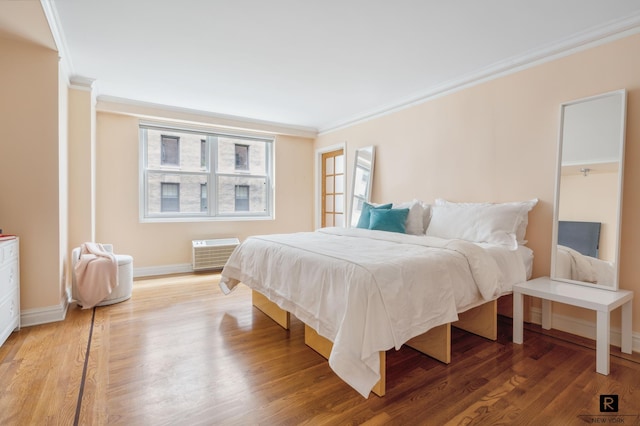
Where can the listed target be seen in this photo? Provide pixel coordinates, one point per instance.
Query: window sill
(204, 219)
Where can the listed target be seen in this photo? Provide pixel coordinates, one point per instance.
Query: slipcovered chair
(125, 277)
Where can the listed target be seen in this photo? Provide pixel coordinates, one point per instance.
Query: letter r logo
(608, 403)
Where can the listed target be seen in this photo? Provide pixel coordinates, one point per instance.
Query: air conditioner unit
(212, 254)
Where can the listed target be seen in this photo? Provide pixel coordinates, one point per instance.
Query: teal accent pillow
(391, 220)
(365, 217)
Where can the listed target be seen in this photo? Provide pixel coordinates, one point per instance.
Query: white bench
(599, 300)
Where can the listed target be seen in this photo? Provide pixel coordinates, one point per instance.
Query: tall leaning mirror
(362, 179)
(588, 204)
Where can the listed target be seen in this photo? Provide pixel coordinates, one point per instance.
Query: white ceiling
(317, 64)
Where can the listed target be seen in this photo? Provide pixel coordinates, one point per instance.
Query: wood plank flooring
(179, 352)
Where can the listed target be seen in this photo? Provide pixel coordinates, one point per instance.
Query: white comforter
(368, 291)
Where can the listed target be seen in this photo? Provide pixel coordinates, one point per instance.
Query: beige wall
(63, 182)
(81, 166)
(30, 174)
(497, 141)
(165, 244)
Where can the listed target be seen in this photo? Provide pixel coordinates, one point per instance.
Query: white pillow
(522, 227)
(500, 224)
(414, 224)
(426, 215)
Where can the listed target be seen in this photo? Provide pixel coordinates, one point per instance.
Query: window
(194, 175)
(203, 153)
(170, 201)
(242, 157)
(170, 150)
(242, 198)
(204, 203)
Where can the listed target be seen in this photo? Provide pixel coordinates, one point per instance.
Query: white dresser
(9, 288)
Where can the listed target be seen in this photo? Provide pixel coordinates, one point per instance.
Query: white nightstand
(601, 301)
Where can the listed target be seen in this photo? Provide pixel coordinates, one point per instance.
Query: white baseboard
(162, 270)
(583, 328)
(47, 314)
(37, 316)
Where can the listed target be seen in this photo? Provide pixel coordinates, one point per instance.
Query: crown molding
(595, 36)
(153, 111)
(584, 40)
(81, 83)
(51, 14)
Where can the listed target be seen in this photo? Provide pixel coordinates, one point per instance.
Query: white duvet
(368, 291)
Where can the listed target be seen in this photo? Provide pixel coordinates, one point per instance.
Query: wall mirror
(362, 179)
(588, 200)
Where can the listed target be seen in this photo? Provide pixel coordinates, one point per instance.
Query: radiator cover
(212, 254)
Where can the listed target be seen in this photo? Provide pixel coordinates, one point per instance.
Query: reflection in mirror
(588, 205)
(362, 179)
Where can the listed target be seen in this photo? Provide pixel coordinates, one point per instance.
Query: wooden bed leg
(436, 343)
(323, 346)
(380, 388)
(481, 320)
(272, 310)
(316, 342)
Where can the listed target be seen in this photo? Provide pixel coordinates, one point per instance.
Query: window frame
(212, 172)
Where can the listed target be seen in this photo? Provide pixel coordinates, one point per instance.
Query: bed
(361, 292)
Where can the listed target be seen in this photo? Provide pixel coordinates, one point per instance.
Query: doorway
(332, 211)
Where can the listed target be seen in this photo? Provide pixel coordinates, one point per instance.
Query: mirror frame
(369, 185)
(556, 207)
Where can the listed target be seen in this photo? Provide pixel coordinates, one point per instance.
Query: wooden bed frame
(436, 343)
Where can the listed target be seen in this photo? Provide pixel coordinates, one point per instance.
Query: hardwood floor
(181, 353)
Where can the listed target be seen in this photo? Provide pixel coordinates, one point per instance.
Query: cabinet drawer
(9, 316)
(8, 251)
(9, 278)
